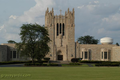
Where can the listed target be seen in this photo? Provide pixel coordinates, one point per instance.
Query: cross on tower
(60, 12)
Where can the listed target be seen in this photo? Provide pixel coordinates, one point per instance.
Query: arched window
(57, 29)
(60, 28)
(63, 29)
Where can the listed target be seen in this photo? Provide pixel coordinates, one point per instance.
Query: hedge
(40, 64)
(97, 62)
(74, 64)
(76, 59)
(53, 64)
(19, 62)
(107, 64)
(33, 64)
(14, 62)
(46, 59)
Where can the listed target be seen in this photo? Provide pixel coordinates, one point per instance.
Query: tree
(117, 44)
(87, 40)
(34, 41)
(11, 41)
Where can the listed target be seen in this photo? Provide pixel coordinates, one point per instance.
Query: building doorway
(60, 57)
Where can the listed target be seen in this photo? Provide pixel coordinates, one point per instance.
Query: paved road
(12, 65)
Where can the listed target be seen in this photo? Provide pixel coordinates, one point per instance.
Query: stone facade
(115, 56)
(96, 52)
(8, 53)
(3, 53)
(61, 32)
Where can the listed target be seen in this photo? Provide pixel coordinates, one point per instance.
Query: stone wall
(96, 50)
(3, 53)
(5, 50)
(115, 53)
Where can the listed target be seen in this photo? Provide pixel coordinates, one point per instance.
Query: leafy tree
(117, 44)
(34, 41)
(87, 40)
(11, 41)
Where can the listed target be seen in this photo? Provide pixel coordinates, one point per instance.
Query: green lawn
(60, 73)
(84, 65)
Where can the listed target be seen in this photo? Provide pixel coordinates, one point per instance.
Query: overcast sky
(98, 18)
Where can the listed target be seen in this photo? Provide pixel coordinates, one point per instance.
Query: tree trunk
(32, 56)
(32, 61)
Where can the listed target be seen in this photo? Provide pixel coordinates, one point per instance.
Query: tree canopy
(87, 40)
(117, 44)
(34, 41)
(11, 41)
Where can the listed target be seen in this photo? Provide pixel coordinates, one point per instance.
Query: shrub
(44, 65)
(26, 64)
(18, 62)
(52, 64)
(29, 64)
(46, 59)
(75, 59)
(90, 61)
(84, 61)
(33, 64)
(38, 64)
(13, 62)
(115, 64)
(74, 63)
(107, 64)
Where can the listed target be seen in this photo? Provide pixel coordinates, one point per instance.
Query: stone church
(61, 29)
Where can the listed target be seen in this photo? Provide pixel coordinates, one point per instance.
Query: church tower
(61, 32)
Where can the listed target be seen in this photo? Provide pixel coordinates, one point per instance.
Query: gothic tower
(61, 32)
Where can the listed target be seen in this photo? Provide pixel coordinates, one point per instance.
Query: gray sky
(98, 18)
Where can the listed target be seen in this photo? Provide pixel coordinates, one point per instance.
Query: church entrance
(60, 57)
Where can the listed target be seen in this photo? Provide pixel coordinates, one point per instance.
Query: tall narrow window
(63, 29)
(105, 55)
(10, 54)
(82, 55)
(14, 54)
(17, 55)
(90, 54)
(85, 55)
(102, 55)
(60, 28)
(71, 55)
(57, 29)
(109, 55)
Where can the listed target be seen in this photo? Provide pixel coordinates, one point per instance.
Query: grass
(85, 65)
(93, 65)
(61, 73)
